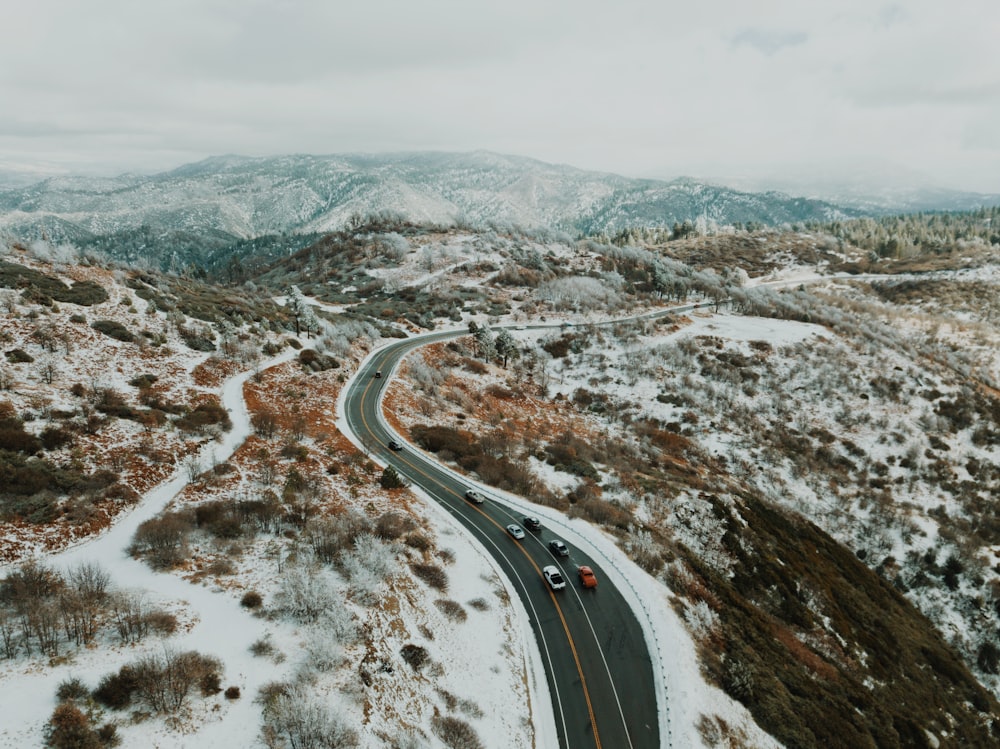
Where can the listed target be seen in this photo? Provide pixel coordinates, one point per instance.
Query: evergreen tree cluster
(917, 233)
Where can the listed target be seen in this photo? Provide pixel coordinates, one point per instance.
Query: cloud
(891, 15)
(769, 41)
(632, 87)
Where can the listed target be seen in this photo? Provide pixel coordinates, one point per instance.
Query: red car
(587, 577)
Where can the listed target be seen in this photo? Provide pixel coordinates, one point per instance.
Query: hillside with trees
(804, 459)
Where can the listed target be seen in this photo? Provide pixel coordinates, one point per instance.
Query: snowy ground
(213, 623)
(486, 662)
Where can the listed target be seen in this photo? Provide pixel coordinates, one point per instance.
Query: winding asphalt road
(596, 660)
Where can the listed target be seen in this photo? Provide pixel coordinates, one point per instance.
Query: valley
(788, 473)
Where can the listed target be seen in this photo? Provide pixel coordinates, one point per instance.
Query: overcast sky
(718, 88)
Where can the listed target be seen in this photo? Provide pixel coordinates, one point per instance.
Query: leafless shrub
(163, 539)
(339, 625)
(370, 563)
(715, 731)
(408, 740)
(160, 622)
(330, 536)
(164, 681)
(265, 422)
(116, 690)
(263, 647)
(392, 525)
(321, 653)
(418, 541)
(643, 550)
(305, 593)
(70, 728)
(601, 512)
(432, 575)
(294, 717)
(427, 378)
(456, 733)
(578, 293)
(415, 655)
(451, 609)
(72, 689)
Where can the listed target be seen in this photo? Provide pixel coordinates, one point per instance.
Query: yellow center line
(552, 595)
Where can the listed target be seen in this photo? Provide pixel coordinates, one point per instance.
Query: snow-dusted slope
(246, 197)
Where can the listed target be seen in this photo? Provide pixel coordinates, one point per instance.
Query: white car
(473, 496)
(554, 577)
(515, 531)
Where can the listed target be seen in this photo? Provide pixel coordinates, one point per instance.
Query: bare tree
(9, 640)
(130, 613)
(32, 592)
(49, 370)
(8, 301)
(83, 601)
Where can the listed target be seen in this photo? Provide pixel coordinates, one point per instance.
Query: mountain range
(248, 197)
(203, 208)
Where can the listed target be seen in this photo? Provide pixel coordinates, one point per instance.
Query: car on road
(515, 531)
(532, 523)
(378, 373)
(473, 496)
(553, 577)
(587, 577)
(558, 548)
(394, 445)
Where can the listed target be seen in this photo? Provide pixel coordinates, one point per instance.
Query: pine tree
(484, 341)
(305, 318)
(506, 346)
(391, 479)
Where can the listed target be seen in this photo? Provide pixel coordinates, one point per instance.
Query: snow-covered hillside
(785, 473)
(244, 197)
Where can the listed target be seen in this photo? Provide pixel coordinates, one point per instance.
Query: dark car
(393, 445)
(558, 548)
(532, 523)
(378, 373)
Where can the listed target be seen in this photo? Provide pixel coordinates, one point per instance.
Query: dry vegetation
(823, 510)
(353, 560)
(102, 395)
(876, 436)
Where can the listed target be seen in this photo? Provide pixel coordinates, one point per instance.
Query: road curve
(596, 660)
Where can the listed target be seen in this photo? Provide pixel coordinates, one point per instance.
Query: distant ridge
(247, 197)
